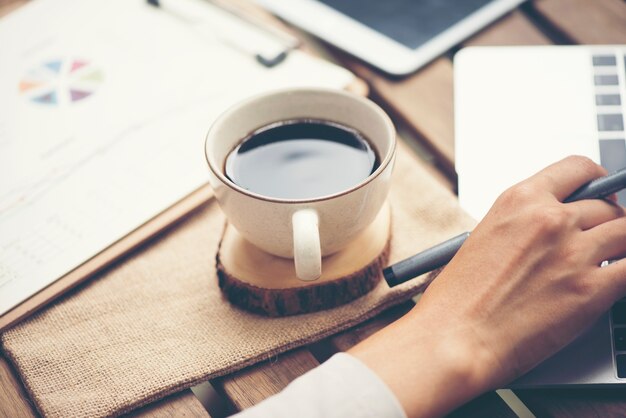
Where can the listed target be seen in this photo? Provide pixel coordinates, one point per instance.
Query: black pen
(441, 254)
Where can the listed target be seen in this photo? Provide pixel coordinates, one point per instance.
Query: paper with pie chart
(104, 106)
(59, 81)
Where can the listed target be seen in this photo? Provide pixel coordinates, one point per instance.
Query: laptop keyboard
(609, 80)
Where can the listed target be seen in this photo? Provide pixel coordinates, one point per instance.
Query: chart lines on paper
(60, 81)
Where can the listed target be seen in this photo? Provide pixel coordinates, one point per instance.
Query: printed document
(104, 106)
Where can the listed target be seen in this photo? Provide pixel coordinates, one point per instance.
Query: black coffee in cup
(301, 159)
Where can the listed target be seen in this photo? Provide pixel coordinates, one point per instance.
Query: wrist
(453, 357)
(431, 370)
(469, 357)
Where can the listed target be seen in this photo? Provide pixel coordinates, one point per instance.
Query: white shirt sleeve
(340, 387)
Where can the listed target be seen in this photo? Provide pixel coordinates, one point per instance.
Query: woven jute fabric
(156, 322)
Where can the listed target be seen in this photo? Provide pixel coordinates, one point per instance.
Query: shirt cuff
(341, 387)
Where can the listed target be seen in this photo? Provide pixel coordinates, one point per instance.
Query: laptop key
(608, 99)
(621, 365)
(619, 335)
(610, 122)
(602, 60)
(619, 313)
(606, 80)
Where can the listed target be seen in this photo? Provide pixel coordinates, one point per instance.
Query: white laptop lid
(518, 109)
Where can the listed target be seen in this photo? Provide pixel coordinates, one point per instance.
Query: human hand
(525, 284)
(528, 281)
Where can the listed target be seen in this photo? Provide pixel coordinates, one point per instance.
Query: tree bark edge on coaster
(275, 291)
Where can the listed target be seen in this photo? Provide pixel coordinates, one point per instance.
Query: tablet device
(397, 36)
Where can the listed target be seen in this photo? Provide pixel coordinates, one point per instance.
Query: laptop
(519, 109)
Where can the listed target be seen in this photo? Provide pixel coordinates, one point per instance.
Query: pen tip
(389, 276)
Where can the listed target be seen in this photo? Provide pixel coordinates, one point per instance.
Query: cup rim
(365, 101)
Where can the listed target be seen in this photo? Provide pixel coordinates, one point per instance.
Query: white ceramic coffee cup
(303, 229)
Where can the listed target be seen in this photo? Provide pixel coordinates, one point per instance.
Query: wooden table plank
(487, 405)
(251, 385)
(586, 21)
(182, 404)
(13, 399)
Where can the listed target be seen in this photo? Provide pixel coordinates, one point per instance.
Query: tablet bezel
(373, 47)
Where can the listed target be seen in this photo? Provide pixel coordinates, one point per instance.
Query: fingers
(611, 240)
(608, 239)
(594, 212)
(564, 177)
(615, 276)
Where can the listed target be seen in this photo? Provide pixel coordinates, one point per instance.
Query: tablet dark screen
(409, 22)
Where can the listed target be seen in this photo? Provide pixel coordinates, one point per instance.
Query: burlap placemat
(157, 323)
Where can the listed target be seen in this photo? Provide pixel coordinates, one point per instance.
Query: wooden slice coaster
(266, 284)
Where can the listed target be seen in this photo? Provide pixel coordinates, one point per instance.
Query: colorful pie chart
(61, 81)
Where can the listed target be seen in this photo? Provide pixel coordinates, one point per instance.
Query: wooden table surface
(422, 106)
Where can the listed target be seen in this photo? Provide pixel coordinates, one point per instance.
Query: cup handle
(307, 253)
